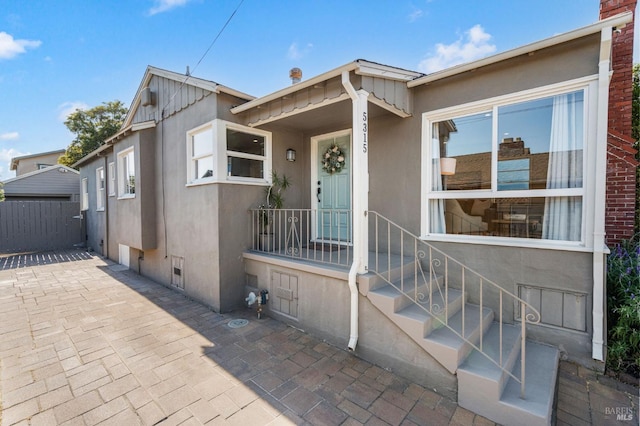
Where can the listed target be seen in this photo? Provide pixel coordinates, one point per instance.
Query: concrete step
(479, 370)
(389, 268)
(390, 299)
(444, 342)
(477, 386)
(416, 321)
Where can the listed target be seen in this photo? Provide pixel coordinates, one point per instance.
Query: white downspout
(360, 126)
(599, 248)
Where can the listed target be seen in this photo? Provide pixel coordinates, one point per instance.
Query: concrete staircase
(483, 387)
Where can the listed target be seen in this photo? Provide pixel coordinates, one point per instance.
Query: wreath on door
(334, 158)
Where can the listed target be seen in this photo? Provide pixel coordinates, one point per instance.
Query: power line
(203, 56)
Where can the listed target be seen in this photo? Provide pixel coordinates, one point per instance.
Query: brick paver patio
(84, 343)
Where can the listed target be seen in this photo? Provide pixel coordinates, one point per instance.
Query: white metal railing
(435, 273)
(322, 235)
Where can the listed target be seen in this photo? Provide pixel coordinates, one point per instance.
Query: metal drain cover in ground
(237, 323)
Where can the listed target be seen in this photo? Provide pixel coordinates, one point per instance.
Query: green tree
(1, 192)
(92, 128)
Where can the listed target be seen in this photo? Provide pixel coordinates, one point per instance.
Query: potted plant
(274, 199)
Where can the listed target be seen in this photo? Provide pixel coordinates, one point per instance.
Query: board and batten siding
(169, 94)
(39, 225)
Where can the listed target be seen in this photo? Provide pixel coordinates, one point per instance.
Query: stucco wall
(94, 221)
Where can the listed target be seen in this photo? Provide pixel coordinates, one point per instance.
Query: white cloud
(166, 5)
(295, 52)
(10, 47)
(415, 15)
(9, 136)
(5, 162)
(70, 107)
(475, 44)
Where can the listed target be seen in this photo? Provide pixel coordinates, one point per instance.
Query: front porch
(417, 305)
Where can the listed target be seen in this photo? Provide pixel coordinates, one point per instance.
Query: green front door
(334, 188)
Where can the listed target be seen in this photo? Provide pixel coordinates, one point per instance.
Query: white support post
(361, 180)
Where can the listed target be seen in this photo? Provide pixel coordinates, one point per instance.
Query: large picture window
(221, 151)
(508, 169)
(126, 173)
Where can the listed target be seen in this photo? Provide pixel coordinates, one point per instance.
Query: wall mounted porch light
(291, 155)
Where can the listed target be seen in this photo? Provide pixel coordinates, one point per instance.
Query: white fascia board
(294, 88)
(373, 69)
(615, 21)
(44, 170)
(142, 126)
(297, 111)
(233, 92)
(360, 67)
(113, 139)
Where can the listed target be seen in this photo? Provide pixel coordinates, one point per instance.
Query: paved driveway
(83, 342)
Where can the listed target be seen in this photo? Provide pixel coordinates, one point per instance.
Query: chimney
(621, 164)
(296, 75)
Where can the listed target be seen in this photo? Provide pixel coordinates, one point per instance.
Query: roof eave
(113, 139)
(359, 66)
(614, 21)
(293, 88)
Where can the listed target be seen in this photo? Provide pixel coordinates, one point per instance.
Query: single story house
(448, 226)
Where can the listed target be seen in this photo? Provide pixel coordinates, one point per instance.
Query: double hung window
(126, 173)
(518, 168)
(84, 201)
(100, 188)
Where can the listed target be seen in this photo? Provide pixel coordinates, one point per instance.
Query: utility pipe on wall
(360, 161)
(599, 248)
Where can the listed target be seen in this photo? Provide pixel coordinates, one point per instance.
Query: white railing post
(523, 325)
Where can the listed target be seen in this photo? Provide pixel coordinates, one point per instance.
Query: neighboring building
(54, 183)
(380, 247)
(33, 162)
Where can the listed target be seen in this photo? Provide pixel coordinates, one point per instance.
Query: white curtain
(436, 213)
(563, 215)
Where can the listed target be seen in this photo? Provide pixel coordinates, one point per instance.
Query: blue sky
(56, 56)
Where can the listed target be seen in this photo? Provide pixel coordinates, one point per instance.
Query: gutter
(600, 190)
(360, 198)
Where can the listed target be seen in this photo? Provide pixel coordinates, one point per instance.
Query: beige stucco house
(34, 162)
(473, 280)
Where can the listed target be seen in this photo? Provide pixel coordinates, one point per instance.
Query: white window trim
(111, 175)
(100, 192)
(589, 85)
(190, 158)
(221, 154)
(84, 200)
(121, 194)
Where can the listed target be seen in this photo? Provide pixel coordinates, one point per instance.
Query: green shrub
(623, 285)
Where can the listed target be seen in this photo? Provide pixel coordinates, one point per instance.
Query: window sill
(127, 197)
(509, 242)
(100, 210)
(232, 181)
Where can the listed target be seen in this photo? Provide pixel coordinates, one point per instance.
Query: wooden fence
(39, 225)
